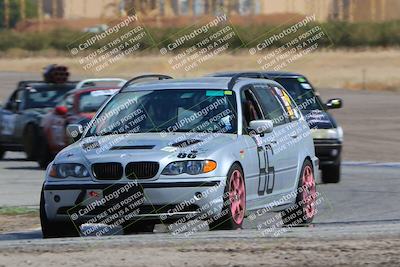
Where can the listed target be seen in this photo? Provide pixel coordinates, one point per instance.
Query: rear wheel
(2, 152)
(331, 174)
(303, 211)
(234, 206)
(55, 229)
(138, 227)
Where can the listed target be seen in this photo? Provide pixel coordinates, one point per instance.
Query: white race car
(172, 151)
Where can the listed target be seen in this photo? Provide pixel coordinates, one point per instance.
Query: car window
(92, 101)
(272, 108)
(69, 102)
(250, 107)
(302, 92)
(292, 111)
(42, 95)
(191, 110)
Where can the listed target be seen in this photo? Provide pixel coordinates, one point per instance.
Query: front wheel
(52, 229)
(331, 174)
(138, 227)
(234, 206)
(304, 209)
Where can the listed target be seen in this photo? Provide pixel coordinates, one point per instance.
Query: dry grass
(324, 68)
(16, 223)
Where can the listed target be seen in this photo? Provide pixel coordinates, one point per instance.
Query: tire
(55, 229)
(138, 227)
(31, 142)
(304, 209)
(331, 174)
(44, 156)
(234, 206)
(2, 153)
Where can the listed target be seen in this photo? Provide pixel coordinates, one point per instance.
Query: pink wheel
(304, 209)
(234, 201)
(237, 197)
(309, 192)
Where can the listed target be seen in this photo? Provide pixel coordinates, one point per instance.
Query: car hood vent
(131, 147)
(186, 143)
(90, 146)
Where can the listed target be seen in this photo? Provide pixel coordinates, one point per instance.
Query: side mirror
(262, 126)
(334, 103)
(75, 131)
(61, 110)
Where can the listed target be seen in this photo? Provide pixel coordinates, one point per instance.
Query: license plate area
(108, 201)
(122, 194)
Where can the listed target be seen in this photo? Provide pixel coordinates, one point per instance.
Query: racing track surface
(358, 224)
(368, 193)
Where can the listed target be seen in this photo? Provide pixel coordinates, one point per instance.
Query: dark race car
(21, 115)
(327, 135)
(76, 107)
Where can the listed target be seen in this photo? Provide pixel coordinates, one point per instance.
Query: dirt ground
(22, 222)
(381, 251)
(329, 69)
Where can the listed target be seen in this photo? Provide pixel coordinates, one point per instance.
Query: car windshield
(170, 110)
(91, 101)
(45, 95)
(301, 92)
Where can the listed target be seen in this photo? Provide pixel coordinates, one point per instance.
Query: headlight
(335, 133)
(68, 170)
(191, 167)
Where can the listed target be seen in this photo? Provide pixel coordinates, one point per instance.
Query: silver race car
(175, 151)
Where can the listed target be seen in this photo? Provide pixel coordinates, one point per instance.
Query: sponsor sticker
(214, 93)
(103, 92)
(169, 149)
(306, 86)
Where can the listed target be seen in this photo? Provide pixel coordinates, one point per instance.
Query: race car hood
(144, 147)
(319, 119)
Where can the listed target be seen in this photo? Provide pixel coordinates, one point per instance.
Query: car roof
(46, 86)
(90, 89)
(193, 83)
(272, 74)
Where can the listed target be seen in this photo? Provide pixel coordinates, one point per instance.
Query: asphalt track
(368, 195)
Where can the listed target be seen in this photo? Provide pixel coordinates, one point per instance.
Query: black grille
(141, 170)
(107, 171)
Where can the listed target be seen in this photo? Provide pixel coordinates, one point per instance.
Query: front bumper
(328, 151)
(166, 201)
